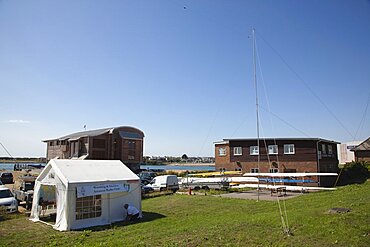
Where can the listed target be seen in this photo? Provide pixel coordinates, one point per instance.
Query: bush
(354, 172)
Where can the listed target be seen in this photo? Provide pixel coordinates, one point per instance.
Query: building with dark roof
(118, 143)
(313, 155)
(362, 151)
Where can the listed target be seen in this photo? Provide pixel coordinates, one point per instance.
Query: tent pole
(108, 195)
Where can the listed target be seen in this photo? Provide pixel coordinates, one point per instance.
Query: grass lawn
(181, 220)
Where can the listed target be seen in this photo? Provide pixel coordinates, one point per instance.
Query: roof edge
(81, 134)
(281, 139)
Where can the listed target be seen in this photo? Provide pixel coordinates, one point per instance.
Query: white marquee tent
(85, 193)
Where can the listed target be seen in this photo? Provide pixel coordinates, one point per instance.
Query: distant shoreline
(189, 164)
(19, 161)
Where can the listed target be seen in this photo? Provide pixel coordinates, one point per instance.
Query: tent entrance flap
(47, 203)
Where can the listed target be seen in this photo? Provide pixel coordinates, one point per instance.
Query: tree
(184, 157)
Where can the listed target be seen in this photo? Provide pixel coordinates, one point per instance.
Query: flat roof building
(285, 155)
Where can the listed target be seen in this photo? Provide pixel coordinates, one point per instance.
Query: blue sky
(182, 71)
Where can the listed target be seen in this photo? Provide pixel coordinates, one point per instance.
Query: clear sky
(181, 71)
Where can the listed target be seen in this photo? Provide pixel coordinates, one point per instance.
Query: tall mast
(257, 114)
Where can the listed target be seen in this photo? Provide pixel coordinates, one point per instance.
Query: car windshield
(5, 194)
(29, 185)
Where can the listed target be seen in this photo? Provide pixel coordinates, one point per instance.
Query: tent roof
(83, 171)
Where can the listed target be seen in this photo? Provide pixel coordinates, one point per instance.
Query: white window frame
(289, 149)
(88, 207)
(254, 170)
(238, 151)
(271, 149)
(222, 151)
(330, 149)
(253, 150)
(323, 148)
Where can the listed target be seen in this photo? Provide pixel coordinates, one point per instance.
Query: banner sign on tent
(98, 189)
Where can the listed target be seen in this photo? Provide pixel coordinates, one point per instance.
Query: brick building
(285, 155)
(118, 143)
(362, 151)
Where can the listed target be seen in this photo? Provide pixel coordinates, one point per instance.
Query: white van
(165, 182)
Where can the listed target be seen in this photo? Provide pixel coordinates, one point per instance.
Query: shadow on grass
(147, 217)
(49, 218)
(156, 194)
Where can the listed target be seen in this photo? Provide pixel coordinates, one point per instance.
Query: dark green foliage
(354, 172)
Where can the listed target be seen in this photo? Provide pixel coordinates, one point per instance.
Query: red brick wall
(222, 161)
(303, 160)
(362, 155)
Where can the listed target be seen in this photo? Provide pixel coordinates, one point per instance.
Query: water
(10, 166)
(180, 167)
(7, 166)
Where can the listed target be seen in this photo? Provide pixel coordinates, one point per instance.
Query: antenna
(6, 150)
(257, 113)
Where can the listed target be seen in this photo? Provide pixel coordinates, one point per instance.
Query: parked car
(6, 177)
(146, 177)
(23, 190)
(145, 189)
(8, 200)
(165, 182)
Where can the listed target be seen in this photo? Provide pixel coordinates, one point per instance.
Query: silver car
(7, 200)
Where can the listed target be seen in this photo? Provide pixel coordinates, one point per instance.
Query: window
(289, 149)
(238, 150)
(221, 151)
(254, 170)
(323, 148)
(330, 149)
(273, 170)
(254, 150)
(88, 207)
(273, 149)
(131, 144)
